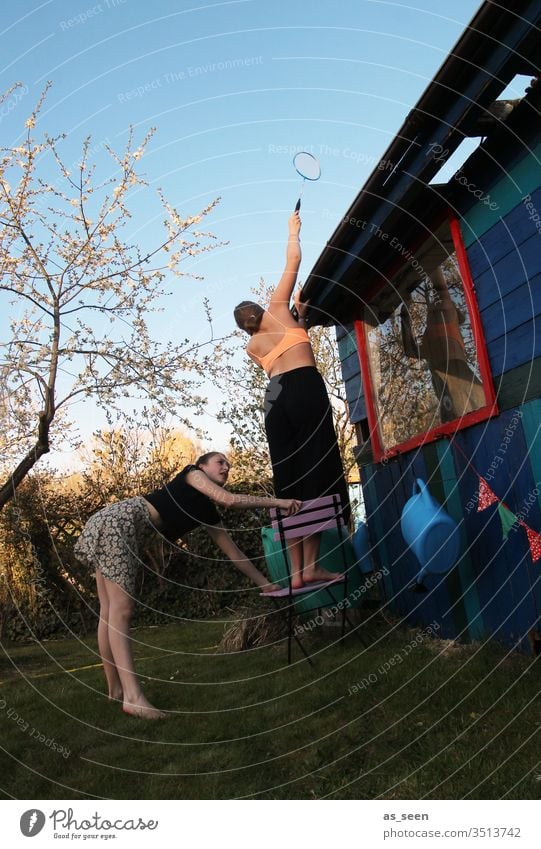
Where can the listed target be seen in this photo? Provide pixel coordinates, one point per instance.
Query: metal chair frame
(315, 516)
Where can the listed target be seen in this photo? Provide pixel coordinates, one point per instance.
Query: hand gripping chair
(315, 516)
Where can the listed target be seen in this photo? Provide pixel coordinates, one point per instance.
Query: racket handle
(298, 205)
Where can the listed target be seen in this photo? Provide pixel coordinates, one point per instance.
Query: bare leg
(111, 674)
(120, 614)
(294, 547)
(311, 571)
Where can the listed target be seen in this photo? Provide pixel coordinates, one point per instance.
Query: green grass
(442, 722)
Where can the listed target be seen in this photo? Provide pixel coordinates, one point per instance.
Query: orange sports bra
(292, 336)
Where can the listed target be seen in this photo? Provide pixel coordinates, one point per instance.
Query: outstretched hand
(270, 588)
(289, 506)
(294, 224)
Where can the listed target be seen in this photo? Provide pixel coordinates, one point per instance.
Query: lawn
(409, 717)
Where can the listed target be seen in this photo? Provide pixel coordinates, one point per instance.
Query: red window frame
(468, 419)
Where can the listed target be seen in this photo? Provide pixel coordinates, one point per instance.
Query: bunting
(487, 497)
(534, 541)
(507, 519)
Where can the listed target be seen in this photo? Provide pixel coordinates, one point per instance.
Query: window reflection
(422, 356)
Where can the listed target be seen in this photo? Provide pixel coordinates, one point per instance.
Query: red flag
(486, 496)
(534, 541)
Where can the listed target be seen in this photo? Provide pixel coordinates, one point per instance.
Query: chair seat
(312, 587)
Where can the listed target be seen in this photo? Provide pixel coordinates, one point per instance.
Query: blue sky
(233, 88)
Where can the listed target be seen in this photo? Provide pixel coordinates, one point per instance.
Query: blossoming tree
(78, 293)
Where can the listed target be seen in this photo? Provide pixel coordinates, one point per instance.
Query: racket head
(307, 165)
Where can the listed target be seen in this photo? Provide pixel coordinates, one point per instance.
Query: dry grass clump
(254, 628)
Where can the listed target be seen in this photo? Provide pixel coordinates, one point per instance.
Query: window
(423, 357)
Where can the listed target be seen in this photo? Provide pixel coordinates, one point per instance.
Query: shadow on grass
(409, 717)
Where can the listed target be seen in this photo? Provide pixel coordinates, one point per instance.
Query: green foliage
(45, 591)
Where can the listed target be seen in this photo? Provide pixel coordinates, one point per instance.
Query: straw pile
(253, 628)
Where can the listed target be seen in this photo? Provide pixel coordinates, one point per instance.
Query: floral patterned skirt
(114, 539)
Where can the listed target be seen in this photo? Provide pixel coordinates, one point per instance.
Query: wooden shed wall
(494, 591)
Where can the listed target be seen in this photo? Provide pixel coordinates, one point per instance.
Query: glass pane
(422, 357)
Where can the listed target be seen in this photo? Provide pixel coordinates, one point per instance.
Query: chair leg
(289, 628)
(353, 628)
(344, 606)
(289, 618)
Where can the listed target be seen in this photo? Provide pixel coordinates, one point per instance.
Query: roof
(397, 201)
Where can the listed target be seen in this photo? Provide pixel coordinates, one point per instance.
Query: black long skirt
(304, 452)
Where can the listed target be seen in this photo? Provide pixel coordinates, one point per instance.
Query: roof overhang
(397, 201)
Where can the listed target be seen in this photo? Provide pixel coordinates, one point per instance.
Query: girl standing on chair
(304, 452)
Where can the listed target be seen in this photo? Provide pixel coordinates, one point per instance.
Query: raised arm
(281, 296)
(238, 501)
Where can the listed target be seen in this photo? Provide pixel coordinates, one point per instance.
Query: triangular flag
(486, 496)
(534, 541)
(507, 519)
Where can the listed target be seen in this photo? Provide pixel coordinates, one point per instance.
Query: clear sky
(233, 88)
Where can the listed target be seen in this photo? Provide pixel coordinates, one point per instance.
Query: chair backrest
(315, 515)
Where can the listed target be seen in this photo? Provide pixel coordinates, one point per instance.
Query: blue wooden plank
(354, 385)
(347, 345)
(521, 345)
(453, 505)
(516, 308)
(342, 330)
(376, 527)
(503, 238)
(357, 411)
(392, 486)
(523, 178)
(507, 274)
(502, 569)
(355, 399)
(351, 366)
(531, 426)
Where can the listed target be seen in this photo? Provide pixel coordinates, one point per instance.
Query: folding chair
(315, 516)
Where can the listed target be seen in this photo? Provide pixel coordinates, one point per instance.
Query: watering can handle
(419, 482)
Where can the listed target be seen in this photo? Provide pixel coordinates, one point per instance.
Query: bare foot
(297, 580)
(116, 696)
(142, 709)
(317, 574)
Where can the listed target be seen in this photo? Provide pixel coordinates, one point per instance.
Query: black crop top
(181, 506)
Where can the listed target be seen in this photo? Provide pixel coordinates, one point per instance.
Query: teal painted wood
(453, 505)
(531, 425)
(523, 179)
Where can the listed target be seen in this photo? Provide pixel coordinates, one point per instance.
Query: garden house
(433, 281)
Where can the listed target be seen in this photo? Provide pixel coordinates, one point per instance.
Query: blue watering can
(361, 546)
(430, 532)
